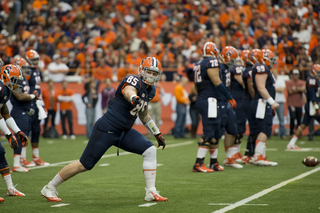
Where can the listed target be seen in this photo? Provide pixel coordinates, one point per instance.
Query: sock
(7, 179)
(230, 151)
(261, 148)
(16, 160)
(149, 166)
(293, 140)
(213, 155)
(150, 176)
(35, 152)
(201, 154)
(56, 181)
(238, 147)
(24, 152)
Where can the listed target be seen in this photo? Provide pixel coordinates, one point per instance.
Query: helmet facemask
(150, 75)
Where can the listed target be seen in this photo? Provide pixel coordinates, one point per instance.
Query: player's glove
(135, 100)
(233, 103)
(24, 139)
(273, 112)
(161, 141)
(12, 141)
(36, 94)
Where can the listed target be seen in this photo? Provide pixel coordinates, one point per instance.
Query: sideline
(111, 155)
(264, 192)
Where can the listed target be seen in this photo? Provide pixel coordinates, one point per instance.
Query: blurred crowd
(107, 39)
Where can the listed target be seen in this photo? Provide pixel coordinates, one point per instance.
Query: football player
(249, 58)
(33, 58)
(10, 80)
(263, 104)
(211, 93)
(114, 128)
(238, 92)
(21, 111)
(312, 105)
(229, 57)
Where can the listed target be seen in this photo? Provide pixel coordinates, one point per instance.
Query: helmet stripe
(204, 48)
(154, 62)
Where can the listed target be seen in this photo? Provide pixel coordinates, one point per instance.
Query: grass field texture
(116, 183)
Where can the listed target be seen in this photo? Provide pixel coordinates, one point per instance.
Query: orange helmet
(26, 72)
(210, 49)
(254, 56)
(33, 58)
(11, 77)
(150, 70)
(229, 55)
(245, 57)
(315, 68)
(267, 57)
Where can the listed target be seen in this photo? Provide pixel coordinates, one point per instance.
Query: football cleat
(238, 157)
(72, 137)
(50, 193)
(247, 159)
(216, 167)
(25, 163)
(231, 163)
(14, 192)
(295, 147)
(1, 200)
(200, 167)
(38, 162)
(153, 195)
(262, 161)
(64, 136)
(20, 169)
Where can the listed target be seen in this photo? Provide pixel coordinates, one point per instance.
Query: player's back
(236, 89)
(263, 69)
(5, 94)
(312, 86)
(121, 113)
(203, 83)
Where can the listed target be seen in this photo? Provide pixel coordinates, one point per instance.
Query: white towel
(42, 113)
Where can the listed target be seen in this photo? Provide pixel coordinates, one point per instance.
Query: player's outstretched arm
(130, 94)
(261, 80)
(152, 127)
(26, 97)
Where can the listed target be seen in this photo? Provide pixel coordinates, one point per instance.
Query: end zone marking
(264, 192)
(61, 204)
(147, 204)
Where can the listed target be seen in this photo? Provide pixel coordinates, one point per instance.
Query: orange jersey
(181, 94)
(102, 73)
(158, 92)
(64, 48)
(63, 104)
(46, 99)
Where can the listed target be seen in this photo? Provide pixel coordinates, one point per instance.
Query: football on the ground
(310, 161)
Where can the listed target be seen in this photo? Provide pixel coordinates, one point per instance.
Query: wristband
(3, 127)
(270, 101)
(32, 96)
(132, 97)
(12, 125)
(152, 127)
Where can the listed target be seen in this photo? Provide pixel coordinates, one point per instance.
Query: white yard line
(112, 155)
(227, 204)
(264, 192)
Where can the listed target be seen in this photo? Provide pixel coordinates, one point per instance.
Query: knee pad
(208, 141)
(150, 158)
(238, 138)
(252, 138)
(151, 151)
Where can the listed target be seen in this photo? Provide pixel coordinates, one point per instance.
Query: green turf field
(119, 186)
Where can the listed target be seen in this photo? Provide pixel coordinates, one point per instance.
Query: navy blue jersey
(312, 85)
(261, 69)
(121, 113)
(35, 80)
(203, 83)
(247, 74)
(225, 78)
(237, 91)
(5, 93)
(26, 105)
